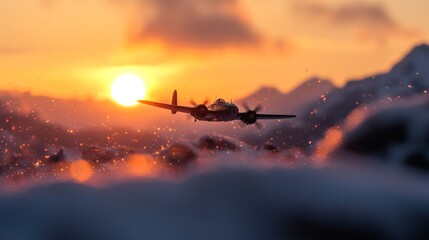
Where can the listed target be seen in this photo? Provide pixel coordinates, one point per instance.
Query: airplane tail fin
(174, 101)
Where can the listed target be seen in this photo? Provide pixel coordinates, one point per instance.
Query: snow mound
(179, 155)
(227, 204)
(397, 135)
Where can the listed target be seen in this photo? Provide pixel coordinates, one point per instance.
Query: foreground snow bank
(227, 204)
(396, 135)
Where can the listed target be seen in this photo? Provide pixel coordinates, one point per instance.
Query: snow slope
(227, 204)
(289, 103)
(407, 79)
(397, 135)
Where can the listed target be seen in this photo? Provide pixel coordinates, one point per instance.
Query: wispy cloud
(206, 24)
(371, 21)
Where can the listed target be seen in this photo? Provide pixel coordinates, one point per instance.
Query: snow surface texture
(227, 204)
(107, 164)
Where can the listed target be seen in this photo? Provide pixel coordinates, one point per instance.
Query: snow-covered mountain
(275, 101)
(408, 78)
(78, 114)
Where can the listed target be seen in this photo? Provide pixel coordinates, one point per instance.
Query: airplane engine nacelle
(200, 111)
(249, 117)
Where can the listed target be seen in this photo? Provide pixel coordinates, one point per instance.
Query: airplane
(219, 111)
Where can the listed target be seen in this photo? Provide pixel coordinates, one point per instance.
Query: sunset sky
(202, 48)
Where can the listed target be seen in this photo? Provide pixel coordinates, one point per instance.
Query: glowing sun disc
(127, 89)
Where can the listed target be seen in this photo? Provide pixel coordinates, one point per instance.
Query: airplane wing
(274, 116)
(168, 106)
(268, 116)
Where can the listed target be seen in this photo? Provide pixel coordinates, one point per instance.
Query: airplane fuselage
(219, 111)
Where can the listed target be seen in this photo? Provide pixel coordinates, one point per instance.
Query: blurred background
(80, 159)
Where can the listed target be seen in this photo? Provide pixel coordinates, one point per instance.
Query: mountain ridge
(274, 100)
(407, 78)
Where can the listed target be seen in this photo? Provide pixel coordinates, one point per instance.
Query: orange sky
(224, 48)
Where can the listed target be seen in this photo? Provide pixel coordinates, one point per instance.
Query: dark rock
(215, 143)
(57, 157)
(179, 155)
(97, 154)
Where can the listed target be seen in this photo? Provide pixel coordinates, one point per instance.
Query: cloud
(350, 14)
(206, 24)
(369, 20)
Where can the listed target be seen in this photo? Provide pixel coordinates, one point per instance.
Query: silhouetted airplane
(219, 111)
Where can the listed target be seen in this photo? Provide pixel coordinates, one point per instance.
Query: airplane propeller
(200, 109)
(258, 125)
(257, 108)
(250, 117)
(206, 101)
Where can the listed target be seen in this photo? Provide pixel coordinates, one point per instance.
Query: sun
(127, 89)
